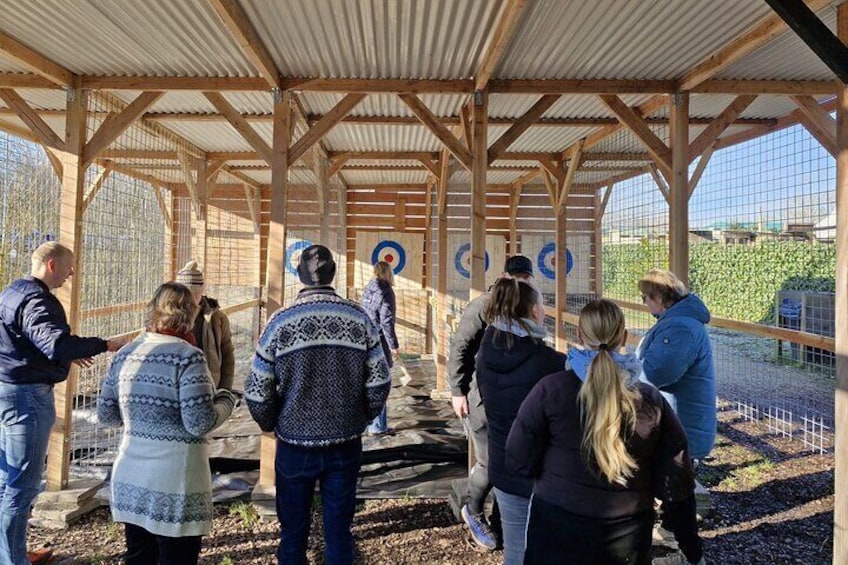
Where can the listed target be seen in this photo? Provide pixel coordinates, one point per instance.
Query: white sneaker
(676, 558)
(663, 537)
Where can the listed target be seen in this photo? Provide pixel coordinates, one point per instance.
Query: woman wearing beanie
(601, 445)
(211, 328)
(159, 389)
(378, 300)
(512, 358)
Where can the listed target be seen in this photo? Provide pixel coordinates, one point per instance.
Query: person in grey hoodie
(677, 357)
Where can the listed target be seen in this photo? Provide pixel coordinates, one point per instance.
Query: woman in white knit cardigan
(159, 389)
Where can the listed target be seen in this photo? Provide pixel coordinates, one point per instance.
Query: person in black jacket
(36, 352)
(378, 300)
(593, 496)
(511, 360)
(466, 402)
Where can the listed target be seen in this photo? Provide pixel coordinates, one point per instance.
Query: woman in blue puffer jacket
(677, 357)
(378, 300)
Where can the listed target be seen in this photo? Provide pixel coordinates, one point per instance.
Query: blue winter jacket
(378, 301)
(677, 358)
(36, 345)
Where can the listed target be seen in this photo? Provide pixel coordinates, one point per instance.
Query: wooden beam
(240, 125)
(549, 186)
(147, 83)
(33, 121)
(818, 122)
(324, 125)
(523, 124)
(242, 30)
(479, 162)
(431, 166)
(116, 124)
(785, 87)
(815, 34)
(514, 199)
(502, 35)
(377, 85)
(96, 185)
(544, 86)
(678, 221)
(241, 177)
(34, 61)
(251, 196)
(717, 127)
(160, 201)
(55, 161)
(556, 171)
(188, 168)
(660, 182)
(840, 449)
(750, 40)
(599, 213)
(786, 121)
(386, 155)
(336, 165)
(440, 131)
(574, 165)
(213, 167)
(634, 122)
(700, 168)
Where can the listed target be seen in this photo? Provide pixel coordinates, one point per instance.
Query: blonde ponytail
(607, 404)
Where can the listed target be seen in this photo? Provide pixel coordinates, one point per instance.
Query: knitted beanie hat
(190, 275)
(316, 266)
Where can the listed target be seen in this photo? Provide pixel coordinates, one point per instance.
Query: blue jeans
(27, 413)
(336, 469)
(380, 424)
(514, 510)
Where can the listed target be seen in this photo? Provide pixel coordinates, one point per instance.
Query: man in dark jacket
(468, 405)
(36, 352)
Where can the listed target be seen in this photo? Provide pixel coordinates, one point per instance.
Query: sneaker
(386, 432)
(481, 533)
(676, 558)
(40, 556)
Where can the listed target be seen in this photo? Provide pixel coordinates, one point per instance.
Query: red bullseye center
(389, 258)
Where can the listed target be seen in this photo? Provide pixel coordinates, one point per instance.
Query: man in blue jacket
(36, 352)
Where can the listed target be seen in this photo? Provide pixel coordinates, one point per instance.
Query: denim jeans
(145, 548)
(336, 469)
(380, 424)
(27, 413)
(514, 510)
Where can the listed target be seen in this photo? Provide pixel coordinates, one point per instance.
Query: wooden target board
(403, 251)
(541, 250)
(459, 260)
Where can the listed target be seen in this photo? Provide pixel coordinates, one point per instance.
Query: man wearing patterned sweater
(318, 377)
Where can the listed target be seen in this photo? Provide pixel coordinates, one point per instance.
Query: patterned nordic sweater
(319, 374)
(158, 387)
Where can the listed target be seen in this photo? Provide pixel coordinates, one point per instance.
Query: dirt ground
(773, 504)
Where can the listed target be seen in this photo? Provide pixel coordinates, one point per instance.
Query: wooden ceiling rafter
(442, 133)
(324, 125)
(818, 122)
(38, 127)
(659, 151)
(115, 124)
(244, 129)
(521, 125)
(719, 125)
(500, 38)
(55, 74)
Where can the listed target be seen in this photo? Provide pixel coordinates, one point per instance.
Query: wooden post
(323, 180)
(479, 165)
(428, 267)
(341, 235)
(840, 510)
(597, 244)
(560, 270)
(442, 290)
(678, 221)
(170, 267)
(70, 235)
(514, 197)
(199, 221)
(276, 249)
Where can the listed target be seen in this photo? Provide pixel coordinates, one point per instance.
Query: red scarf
(188, 336)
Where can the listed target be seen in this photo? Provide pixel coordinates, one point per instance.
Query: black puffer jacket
(505, 376)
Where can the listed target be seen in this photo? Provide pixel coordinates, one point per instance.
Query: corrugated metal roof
(382, 104)
(606, 39)
(438, 39)
(115, 37)
(9, 65)
(765, 106)
(549, 139)
(213, 136)
(385, 177)
(568, 106)
(41, 99)
(366, 137)
(786, 57)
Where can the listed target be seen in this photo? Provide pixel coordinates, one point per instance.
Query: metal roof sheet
(383, 104)
(367, 137)
(118, 37)
(385, 177)
(607, 39)
(438, 39)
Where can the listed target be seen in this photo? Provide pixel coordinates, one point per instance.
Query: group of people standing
(577, 448)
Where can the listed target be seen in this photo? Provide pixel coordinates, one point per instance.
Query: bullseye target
(547, 261)
(462, 261)
(293, 252)
(392, 253)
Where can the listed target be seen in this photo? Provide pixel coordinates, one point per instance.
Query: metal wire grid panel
(762, 223)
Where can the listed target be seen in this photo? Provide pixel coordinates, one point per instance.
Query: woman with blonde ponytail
(601, 445)
(512, 358)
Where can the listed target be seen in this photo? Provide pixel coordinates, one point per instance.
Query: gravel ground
(773, 505)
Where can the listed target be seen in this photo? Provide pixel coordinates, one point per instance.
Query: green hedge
(735, 281)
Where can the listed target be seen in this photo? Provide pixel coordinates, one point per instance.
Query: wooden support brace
(635, 123)
(818, 122)
(661, 184)
(599, 213)
(324, 125)
(460, 151)
(39, 128)
(96, 185)
(163, 208)
(699, 169)
(240, 125)
(116, 124)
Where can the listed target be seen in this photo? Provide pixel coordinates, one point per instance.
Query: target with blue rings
(462, 261)
(547, 261)
(293, 252)
(392, 253)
